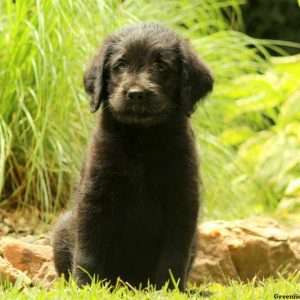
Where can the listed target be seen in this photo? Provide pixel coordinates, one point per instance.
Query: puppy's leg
(88, 262)
(175, 257)
(85, 266)
(63, 245)
(176, 263)
(92, 243)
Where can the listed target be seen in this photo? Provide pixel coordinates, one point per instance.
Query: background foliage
(277, 20)
(248, 130)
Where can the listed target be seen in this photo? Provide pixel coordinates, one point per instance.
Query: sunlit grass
(253, 290)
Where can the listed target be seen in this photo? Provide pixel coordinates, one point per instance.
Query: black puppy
(137, 200)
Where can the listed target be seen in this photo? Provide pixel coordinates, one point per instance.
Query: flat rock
(245, 249)
(8, 272)
(31, 259)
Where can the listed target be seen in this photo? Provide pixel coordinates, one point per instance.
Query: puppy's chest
(136, 194)
(137, 189)
(136, 172)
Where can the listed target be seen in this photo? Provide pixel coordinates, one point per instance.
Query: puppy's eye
(120, 66)
(161, 67)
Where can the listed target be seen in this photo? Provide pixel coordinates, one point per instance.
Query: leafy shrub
(260, 136)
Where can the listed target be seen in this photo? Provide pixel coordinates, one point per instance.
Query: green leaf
(293, 188)
(290, 110)
(235, 135)
(289, 64)
(252, 148)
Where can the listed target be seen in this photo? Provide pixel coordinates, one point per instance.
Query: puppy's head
(144, 73)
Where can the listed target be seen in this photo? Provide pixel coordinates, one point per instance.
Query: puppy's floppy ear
(95, 78)
(196, 78)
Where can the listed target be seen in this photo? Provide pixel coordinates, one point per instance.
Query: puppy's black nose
(135, 94)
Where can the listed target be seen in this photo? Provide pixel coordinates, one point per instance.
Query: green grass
(254, 290)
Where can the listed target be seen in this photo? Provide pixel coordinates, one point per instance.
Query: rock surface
(30, 257)
(237, 250)
(8, 272)
(245, 249)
